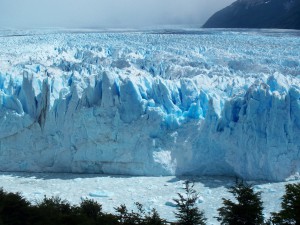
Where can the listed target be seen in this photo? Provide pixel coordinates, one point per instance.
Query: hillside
(284, 14)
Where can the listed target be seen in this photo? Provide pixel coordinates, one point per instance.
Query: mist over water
(106, 13)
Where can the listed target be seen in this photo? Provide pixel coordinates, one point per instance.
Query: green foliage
(56, 205)
(56, 211)
(91, 208)
(140, 217)
(153, 218)
(188, 213)
(290, 213)
(246, 211)
(125, 217)
(14, 209)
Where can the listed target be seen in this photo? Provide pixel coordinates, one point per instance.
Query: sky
(106, 13)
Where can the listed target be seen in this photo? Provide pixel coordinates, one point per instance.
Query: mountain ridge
(257, 14)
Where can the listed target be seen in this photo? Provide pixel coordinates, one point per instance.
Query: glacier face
(213, 102)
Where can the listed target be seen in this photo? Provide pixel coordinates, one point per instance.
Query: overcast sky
(106, 13)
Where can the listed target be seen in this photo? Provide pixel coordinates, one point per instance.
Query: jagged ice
(212, 102)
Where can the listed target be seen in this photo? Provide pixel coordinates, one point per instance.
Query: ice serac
(89, 109)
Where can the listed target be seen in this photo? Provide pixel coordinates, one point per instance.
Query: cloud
(106, 13)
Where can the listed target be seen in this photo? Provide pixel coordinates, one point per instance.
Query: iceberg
(146, 103)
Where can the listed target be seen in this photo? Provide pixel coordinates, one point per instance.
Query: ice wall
(102, 109)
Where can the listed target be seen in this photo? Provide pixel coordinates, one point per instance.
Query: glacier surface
(171, 102)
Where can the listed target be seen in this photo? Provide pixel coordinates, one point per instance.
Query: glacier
(156, 102)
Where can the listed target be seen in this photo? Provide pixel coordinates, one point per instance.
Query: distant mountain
(258, 14)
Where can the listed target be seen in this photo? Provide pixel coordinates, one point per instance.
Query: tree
(188, 213)
(247, 210)
(153, 218)
(54, 210)
(91, 208)
(91, 211)
(290, 213)
(140, 217)
(125, 217)
(14, 209)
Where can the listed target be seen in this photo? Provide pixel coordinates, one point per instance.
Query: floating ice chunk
(200, 200)
(208, 192)
(100, 194)
(258, 187)
(271, 190)
(171, 203)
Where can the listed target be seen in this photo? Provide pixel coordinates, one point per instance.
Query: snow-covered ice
(172, 102)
